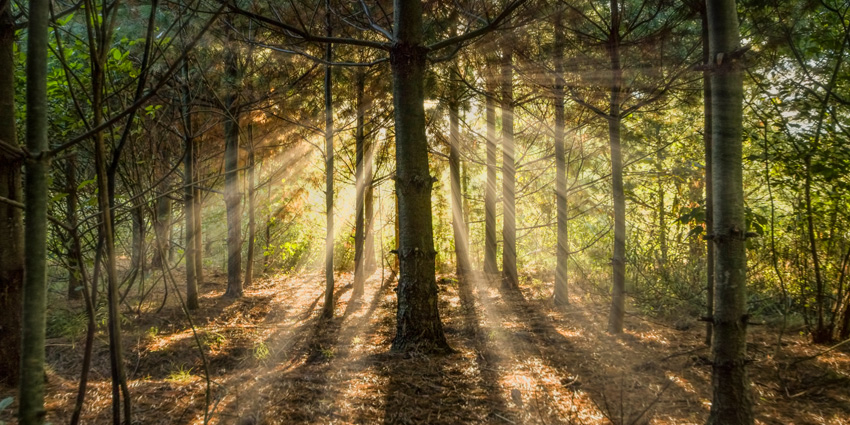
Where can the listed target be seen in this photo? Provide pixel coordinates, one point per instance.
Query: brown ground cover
(518, 360)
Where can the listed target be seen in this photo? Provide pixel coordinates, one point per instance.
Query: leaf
(6, 402)
(116, 54)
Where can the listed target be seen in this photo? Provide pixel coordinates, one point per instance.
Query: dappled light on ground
(519, 360)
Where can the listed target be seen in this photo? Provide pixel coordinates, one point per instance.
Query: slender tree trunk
(162, 227)
(662, 222)
(232, 195)
(190, 251)
(328, 308)
(418, 325)
(74, 289)
(137, 254)
(561, 292)
(197, 211)
(31, 407)
(461, 236)
(490, 265)
(732, 397)
(709, 192)
(822, 333)
(11, 222)
(252, 223)
(360, 187)
(618, 260)
(369, 206)
(509, 270)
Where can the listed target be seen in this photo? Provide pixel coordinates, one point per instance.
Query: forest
(424, 212)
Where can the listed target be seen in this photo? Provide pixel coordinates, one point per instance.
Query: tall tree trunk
(137, 254)
(31, 407)
(232, 195)
(11, 222)
(561, 292)
(189, 173)
(198, 199)
(618, 260)
(74, 289)
(509, 270)
(252, 223)
(662, 222)
(369, 207)
(732, 397)
(491, 267)
(709, 192)
(418, 325)
(460, 234)
(328, 308)
(360, 181)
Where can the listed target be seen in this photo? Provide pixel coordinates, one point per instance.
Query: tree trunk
(137, 254)
(460, 234)
(31, 407)
(509, 270)
(360, 182)
(418, 325)
(74, 289)
(328, 308)
(190, 251)
(561, 292)
(252, 223)
(232, 195)
(618, 260)
(490, 249)
(162, 227)
(11, 221)
(732, 398)
(662, 222)
(709, 192)
(197, 210)
(369, 206)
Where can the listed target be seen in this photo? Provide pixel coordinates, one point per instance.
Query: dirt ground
(270, 359)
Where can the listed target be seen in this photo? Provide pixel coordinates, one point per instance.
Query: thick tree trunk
(510, 279)
(491, 267)
(732, 397)
(562, 253)
(11, 222)
(460, 234)
(418, 318)
(232, 195)
(709, 192)
(328, 308)
(31, 407)
(618, 260)
(360, 181)
(189, 173)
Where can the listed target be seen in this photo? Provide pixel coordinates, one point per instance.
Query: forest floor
(518, 360)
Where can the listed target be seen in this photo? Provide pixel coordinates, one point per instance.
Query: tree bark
(618, 260)
(162, 227)
(418, 325)
(74, 289)
(252, 223)
(190, 251)
(459, 231)
(360, 182)
(490, 249)
(11, 221)
(328, 308)
(709, 192)
(510, 279)
(31, 407)
(232, 195)
(732, 397)
(561, 291)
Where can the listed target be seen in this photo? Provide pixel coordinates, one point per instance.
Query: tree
(732, 398)
(328, 308)
(232, 194)
(11, 223)
(561, 292)
(509, 269)
(31, 407)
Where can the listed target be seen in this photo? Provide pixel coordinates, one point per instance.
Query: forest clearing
(245, 212)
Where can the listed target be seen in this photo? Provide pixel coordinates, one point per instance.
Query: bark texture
(561, 292)
(11, 221)
(232, 195)
(418, 325)
(491, 267)
(732, 397)
(509, 267)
